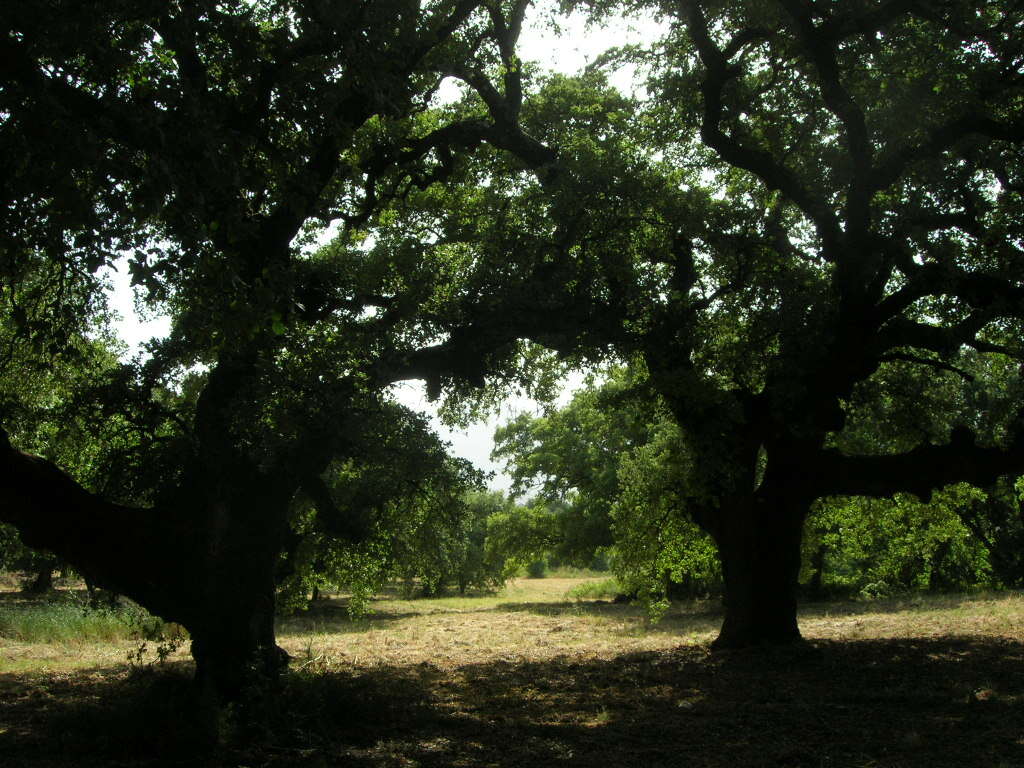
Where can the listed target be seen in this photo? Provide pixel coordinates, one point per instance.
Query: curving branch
(926, 361)
(774, 175)
(940, 139)
(1000, 296)
(822, 51)
(943, 340)
(110, 543)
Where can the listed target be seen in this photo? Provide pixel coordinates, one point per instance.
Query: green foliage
(996, 518)
(570, 455)
(852, 546)
(485, 565)
(612, 468)
(596, 590)
(876, 547)
(61, 623)
(404, 510)
(798, 276)
(75, 622)
(521, 536)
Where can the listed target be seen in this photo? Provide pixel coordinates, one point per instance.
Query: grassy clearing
(532, 676)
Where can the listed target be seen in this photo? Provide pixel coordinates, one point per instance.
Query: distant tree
(395, 509)
(569, 457)
(521, 536)
(605, 470)
(483, 565)
(997, 520)
(876, 547)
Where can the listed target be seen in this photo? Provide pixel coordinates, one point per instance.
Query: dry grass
(528, 677)
(531, 620)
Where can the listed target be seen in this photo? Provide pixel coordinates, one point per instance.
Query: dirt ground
(530, 678)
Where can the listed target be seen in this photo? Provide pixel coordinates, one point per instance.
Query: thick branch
(943, 340)
(976, 289)
(942, 138)
(110, 543)
(919, 471)
(841, 104)
(506, 34)
(930, 362)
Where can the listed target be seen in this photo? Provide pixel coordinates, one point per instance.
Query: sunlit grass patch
(595, 590)
(69, 622)
(63, 623)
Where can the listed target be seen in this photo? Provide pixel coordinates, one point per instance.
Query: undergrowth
(73, 621)
(607, 589)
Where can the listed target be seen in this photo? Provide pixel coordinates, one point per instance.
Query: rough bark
(759, 546)
(233, 640)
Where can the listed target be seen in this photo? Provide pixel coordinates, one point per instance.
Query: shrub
(537, 569)
(595, 590)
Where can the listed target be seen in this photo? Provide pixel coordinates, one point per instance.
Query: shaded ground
(531, 679)
(862, 703)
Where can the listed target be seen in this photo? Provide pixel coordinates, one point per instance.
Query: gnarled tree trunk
(233, 639)
(206, 563)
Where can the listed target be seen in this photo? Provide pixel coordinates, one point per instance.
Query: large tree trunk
(43, 581)
(206, 561)
(759, 546)
(233, 638)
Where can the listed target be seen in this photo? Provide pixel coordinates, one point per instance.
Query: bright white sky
(569, 53)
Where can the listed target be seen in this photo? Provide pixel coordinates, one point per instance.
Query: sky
(569, 52)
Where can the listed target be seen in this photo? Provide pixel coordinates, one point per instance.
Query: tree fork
(212, 572)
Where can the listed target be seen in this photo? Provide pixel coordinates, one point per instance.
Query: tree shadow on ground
(572, 607)
(336, 622)
(882, 703)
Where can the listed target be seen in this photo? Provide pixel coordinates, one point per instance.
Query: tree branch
(976, 289)
(919, 471)
(938, 364)
(940, 139)
(943, 340)
(841, 104)
(756, 161)
(110, 543)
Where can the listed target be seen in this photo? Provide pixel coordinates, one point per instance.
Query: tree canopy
(814, 210)
(207, 142)
(814, 207)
